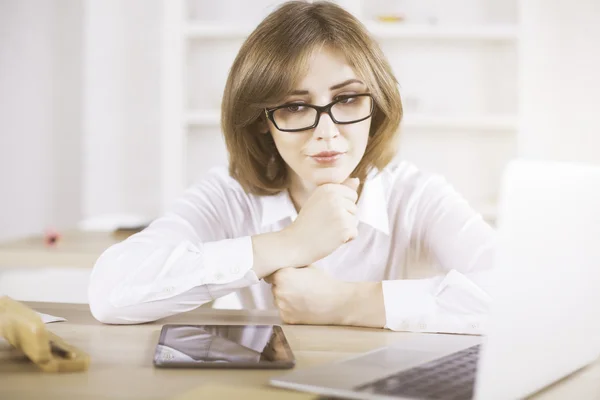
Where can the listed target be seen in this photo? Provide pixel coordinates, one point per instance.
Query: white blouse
(201, 250)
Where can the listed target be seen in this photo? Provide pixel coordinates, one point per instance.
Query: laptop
(545, 319)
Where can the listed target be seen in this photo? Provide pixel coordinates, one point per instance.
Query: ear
(262, 124)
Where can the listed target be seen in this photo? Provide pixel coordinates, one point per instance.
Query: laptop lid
(545, 317)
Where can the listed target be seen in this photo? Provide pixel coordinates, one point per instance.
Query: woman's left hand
(309, 295)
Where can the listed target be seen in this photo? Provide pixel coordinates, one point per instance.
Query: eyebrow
(334, 87)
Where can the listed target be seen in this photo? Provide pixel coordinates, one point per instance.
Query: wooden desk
(122, 359)
(75, 249)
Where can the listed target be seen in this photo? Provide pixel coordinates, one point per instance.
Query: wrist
(291, 248)
(273, 251)
(365, 306)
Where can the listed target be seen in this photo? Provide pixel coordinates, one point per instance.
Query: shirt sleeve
(182, 260)
(462, 244)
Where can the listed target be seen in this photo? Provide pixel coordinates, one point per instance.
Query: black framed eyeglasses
(297, 116)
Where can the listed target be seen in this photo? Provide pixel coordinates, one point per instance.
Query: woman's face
(308, 153)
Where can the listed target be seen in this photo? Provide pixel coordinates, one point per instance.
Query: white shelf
(216, 31)
(461, 42)
(485, 122)
(379, 30)
(210, 118)
(440, 32)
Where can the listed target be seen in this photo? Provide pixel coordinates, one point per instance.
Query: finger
(280, 276)
(271, 279)
(284, 273)
(289, 319)
(281, 314)
(351, 233)
(347, 193)
(278, 303)
(352, 183)
(349, 206)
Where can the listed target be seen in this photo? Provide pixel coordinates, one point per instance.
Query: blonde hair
(272, 60)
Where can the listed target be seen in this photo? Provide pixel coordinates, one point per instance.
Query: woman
(313, 217)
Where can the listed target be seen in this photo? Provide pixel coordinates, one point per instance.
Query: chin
(329, 175)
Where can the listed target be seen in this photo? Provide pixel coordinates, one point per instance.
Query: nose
(326, 129)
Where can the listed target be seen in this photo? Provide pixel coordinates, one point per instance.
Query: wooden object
(23, 328)
(122, 359)
(75, 249)
(211, 391)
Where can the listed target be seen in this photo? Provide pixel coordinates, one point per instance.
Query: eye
(293, 108)
(345, 99)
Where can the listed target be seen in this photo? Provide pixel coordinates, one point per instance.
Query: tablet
(223, 346)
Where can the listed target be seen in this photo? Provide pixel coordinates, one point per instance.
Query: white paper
(46, 318)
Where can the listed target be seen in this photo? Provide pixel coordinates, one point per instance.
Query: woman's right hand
(326, 221)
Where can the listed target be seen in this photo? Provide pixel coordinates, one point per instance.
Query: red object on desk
(51, 237)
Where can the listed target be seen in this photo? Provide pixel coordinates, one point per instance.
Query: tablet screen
(223, 346)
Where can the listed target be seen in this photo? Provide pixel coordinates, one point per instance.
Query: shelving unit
(467, 123)
(211, 119)
(457, 78)
(382, 30)
(379, 30)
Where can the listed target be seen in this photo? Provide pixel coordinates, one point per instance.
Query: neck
(300, 191)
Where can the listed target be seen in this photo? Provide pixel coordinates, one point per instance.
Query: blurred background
(110, 108)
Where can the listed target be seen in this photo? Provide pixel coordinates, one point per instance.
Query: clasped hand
(309, 295)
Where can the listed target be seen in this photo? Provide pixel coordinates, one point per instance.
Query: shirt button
(235, 269)
(218, 276)
(168, 289)
(422, 326)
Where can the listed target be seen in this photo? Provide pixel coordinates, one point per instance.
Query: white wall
(40, 119)
(79, 111)
(560, 80)
(80, 103)
(121, 107)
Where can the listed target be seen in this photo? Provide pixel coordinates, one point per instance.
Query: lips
(327, 154)
(327, 158)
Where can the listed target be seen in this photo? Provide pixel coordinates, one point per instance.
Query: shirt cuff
(227, 260)
(452, 304)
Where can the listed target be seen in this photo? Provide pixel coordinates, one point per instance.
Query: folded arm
(188, 257)
(462, 244)
(440, 223)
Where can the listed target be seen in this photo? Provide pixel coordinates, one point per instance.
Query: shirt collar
(372, 205)
(277, 207)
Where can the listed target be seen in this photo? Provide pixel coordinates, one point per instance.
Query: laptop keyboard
(448, 378)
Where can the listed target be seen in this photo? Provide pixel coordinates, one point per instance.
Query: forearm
(365, 306)
(273, 251)
(143, 278)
